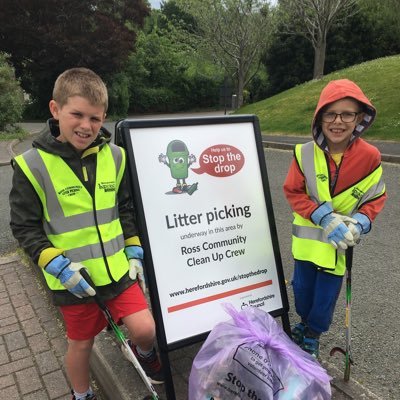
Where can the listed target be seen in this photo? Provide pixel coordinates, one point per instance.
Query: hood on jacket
(337, 90)
(47, 141)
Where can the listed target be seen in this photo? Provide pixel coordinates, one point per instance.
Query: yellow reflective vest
(85, 227)
(308, 240)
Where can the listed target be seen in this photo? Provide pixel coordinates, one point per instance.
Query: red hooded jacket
(359, 159)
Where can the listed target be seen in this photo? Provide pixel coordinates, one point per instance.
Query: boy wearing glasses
(335, 189)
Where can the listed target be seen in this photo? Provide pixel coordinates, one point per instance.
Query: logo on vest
(322, 177)
(70, 190)
(107, 186)
(357, 193)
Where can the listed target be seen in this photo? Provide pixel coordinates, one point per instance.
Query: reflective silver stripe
(80, 221)
(116, 153)
(39, 171)
(308, 164)
(372, 192)
(91, 251)
(308, 232)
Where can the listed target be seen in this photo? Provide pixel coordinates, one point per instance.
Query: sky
(155, 3)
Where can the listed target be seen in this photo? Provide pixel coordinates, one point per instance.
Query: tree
(177, 17)
(162, 74)
(234, 33)
(288, 62)
(11, 96)
(313, 19)
(368, 34)
(385, 18)
(58, 34)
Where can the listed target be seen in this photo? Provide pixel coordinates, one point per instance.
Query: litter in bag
(251, 357)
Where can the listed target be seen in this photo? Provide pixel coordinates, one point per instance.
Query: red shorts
(85, 321)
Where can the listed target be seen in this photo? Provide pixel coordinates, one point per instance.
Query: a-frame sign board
(204, 210)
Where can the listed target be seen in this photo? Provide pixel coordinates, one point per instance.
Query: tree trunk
(240, 89)
(319, 59)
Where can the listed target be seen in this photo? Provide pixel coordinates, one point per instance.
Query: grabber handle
(88, 279)
(349, 258)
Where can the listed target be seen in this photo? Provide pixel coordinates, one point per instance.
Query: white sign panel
(207, 223)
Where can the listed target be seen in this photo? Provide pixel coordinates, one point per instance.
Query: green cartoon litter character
(178, 160)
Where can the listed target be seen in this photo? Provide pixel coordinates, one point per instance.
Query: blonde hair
(80, 82)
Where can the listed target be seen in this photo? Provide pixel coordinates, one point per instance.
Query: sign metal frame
(123, 138)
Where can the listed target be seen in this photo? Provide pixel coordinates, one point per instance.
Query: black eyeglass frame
(331, 113)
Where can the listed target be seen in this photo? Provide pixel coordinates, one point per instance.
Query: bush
(258, 87)
(118, 96)
(11, 95)
(201, 91)
(155, 99)
(164, 77)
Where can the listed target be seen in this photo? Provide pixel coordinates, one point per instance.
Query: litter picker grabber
(347, 351)
(121, 337)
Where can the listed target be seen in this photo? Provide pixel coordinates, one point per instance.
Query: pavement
(390, 150)
(32, 336)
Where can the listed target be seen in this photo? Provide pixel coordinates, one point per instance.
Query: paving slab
(31, 364)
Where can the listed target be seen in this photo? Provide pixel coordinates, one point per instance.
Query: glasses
(345, 116)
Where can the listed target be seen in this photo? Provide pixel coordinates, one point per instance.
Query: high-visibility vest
(308, 240)
(86, 227)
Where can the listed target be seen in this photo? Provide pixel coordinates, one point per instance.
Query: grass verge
(291, 112)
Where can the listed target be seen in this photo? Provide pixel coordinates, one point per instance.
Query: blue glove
(68, 273)
(362, 225)
(135, 257)
(134, 252)
(334, 226)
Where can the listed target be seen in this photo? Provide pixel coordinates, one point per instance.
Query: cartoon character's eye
(178, 160)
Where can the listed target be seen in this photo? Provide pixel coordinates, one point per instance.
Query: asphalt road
(375, 289)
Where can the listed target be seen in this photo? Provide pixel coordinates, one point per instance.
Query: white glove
(334, 226)
(337, 232)
(136, 272)
(360, 227)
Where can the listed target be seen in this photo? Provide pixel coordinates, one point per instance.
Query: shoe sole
(154, 382)
(127, 355)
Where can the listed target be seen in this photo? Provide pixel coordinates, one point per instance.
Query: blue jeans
(315, 294)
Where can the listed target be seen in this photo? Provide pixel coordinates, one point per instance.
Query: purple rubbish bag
(251, 357)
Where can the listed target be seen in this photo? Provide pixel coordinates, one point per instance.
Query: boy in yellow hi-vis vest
(70, 209)
(335, 189)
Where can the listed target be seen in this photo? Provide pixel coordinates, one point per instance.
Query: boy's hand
(135, 257)
(337, 231)
(136, 272)
(68, 274)
(361, 226)
(334, 225)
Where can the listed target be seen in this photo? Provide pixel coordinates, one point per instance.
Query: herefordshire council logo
(107, 186)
